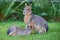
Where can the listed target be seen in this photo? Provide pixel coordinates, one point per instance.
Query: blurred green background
(12, 10)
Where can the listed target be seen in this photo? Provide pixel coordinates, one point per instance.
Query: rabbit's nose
(24, 12)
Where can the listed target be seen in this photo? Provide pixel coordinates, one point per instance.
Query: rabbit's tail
(46, 26)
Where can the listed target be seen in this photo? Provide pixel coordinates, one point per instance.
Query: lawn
(52, 34)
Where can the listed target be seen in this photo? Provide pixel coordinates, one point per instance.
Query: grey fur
(37, 20)
(18, 31)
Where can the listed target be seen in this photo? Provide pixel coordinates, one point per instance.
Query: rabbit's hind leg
(40, 30)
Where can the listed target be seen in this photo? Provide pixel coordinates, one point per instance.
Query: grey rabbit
(34, 21)
(17, 31)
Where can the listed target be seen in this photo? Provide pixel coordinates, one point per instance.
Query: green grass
(52, 34)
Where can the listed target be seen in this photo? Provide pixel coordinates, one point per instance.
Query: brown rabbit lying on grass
(17, 31)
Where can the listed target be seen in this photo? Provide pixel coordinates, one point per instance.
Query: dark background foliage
(13, 10)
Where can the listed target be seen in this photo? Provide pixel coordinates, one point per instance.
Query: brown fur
(26, 18)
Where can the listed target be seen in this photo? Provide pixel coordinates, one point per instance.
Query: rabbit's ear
(26, 4)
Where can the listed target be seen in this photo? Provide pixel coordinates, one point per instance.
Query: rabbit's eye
(28, 9)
